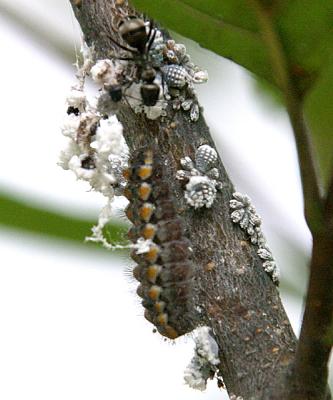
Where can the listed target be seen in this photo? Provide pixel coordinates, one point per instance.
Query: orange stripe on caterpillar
(163, 269)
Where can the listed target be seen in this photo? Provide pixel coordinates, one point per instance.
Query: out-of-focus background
(71, 326)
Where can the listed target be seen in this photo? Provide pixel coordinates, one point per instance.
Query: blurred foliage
(40, 31)
(232, 28)
(20, 215)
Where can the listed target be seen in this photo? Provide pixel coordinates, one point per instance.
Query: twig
(316, 338)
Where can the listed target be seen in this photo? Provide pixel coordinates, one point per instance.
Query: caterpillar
(164, 268)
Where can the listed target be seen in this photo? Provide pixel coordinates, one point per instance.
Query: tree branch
(235, 297)
(316, 338)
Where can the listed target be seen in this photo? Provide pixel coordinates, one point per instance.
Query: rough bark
(236, 297)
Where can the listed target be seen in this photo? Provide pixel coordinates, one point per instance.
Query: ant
(133, 31)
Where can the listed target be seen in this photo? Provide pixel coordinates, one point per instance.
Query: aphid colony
(244, 214)
(149, 71)
(163, 269)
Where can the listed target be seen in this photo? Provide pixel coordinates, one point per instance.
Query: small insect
(200, 177)
(73, 110)
(158, 72)
(134, 33)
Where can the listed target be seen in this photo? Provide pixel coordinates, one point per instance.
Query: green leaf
(319, 111)
(203, 22)
(234, 29)
(19, 215)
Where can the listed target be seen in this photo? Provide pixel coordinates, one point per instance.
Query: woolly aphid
(244, 214)
(200, 177)
(204, 364)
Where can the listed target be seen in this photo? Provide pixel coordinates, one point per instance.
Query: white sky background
(71, 324)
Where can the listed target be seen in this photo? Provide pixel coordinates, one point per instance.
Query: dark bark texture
(234, 295)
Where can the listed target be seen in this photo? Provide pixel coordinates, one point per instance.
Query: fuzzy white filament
(96, 150)
(109, 138)
(205, 361)
(76, 99)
